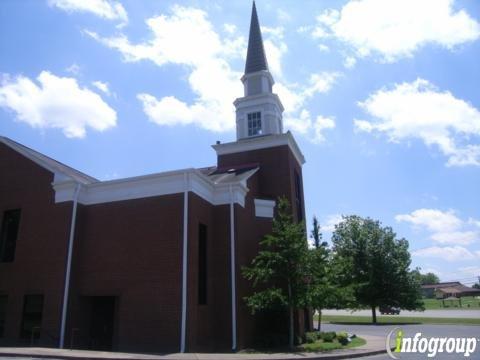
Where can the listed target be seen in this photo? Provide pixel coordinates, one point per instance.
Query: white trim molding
(60, 171)
(264, 208)
(153, 185)
(183, 324)
(261, 142)
(66, 289)
(233, 270)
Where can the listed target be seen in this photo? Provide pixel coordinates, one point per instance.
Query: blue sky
(382, 97)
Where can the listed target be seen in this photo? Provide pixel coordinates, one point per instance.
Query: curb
(326, 356)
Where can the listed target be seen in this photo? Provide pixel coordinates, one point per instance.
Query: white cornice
(261, 142)
(152, 185)
(264, 208)
(259, 99)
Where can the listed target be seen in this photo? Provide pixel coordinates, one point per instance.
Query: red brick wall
(276, 173)
(209, 326)
(274, 178)
(39, 264)
(133, 250)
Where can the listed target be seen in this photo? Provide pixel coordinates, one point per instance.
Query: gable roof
(48, 163)
(441, 285)
(216, 185)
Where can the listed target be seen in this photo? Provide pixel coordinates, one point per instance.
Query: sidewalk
(374, 345)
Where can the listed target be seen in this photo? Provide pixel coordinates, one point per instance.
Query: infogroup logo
(429, 346)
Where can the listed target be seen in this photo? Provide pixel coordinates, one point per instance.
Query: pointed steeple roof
(256, 59)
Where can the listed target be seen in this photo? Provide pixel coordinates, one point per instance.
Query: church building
(149, 263)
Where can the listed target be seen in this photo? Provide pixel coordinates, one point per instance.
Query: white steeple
(259, 111)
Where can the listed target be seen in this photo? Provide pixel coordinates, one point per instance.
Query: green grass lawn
(321, 345)
(354, 319)
(468, 302)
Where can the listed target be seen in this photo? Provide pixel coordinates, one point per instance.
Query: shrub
(342, 337)
(298, 340)
(311, 337)
(328, 336)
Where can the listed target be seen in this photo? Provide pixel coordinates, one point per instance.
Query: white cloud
(328, 224)
(73, 69)
(394, 29)
(275, 48)
(102, 86)
(448, 253)
(323, 48)
(432, 219)
(312, 129)
(294, 97)
(276, 32)
(456, 237)
(475, 222)
(418, 110)
(445, 227)
(321, 83)
(170, 111)
(107, 9)
(275, 51)
(321, 124)
(304, 29)
(302, 123)
(349, 62)
(230, 28)
(56, 102)
(186, 37)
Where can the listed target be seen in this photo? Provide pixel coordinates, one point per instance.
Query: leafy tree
(375, 264)
(317, 234)
(476, 285)
(281, 267)
(323, 290)
(428, 278)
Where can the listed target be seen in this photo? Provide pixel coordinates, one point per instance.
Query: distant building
(448, 289)
(149, 263)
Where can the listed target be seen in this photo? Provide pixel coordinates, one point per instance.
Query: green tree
(280, 269)
(428, 278)
(323, 291)
(375, 264)
(317, 234)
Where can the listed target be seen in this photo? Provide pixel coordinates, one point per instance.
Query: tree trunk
(290, 320)
(374, 315)
(319, 319)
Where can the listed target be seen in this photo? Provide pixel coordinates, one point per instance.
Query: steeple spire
(256, 59)
(259, 111)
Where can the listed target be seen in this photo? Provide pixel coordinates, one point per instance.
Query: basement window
(8, 235)
(254, 123)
